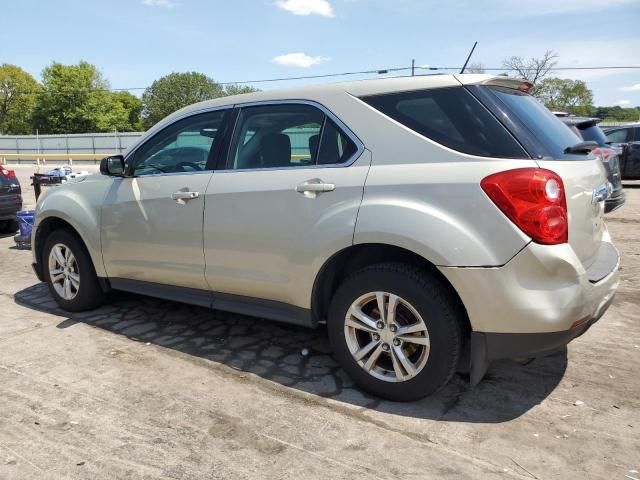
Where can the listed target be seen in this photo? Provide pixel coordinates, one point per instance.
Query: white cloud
(299, 60)
(623, 103)
(306, 7)
(160, 3)
(631, 88)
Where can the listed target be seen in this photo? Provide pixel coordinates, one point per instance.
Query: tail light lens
(603, 153)
(7, 173)
(533, 199)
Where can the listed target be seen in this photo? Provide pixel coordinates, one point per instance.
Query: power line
(342, 74)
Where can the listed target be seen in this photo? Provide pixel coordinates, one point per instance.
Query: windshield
(554, 135)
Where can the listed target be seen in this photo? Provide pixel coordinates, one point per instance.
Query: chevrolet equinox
(435, 223)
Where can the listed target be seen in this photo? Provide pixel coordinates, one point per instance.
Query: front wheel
(395, 330)
(70, 274)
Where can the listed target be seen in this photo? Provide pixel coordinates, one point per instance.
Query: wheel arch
(358, 256)
(45, 228)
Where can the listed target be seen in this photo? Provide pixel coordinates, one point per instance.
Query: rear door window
(285, 136)
(451, 117)
(619, 136)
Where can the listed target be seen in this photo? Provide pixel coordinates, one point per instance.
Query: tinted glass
(181, 147)
(618, 136)
(451, 117)
(594, 134)
(554, 135)
(276, 136)
(335, 147)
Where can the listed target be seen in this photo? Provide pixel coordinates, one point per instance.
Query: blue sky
(134, 42)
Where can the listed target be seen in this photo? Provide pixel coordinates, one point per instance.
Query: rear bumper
(544, 288)
(535, 304)
(9, 212)
(613, 203)
(487, 347)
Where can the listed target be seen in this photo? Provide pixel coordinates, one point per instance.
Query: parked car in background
(622, 134)
(625, 140)
(10, 200)
(434, 223)
(587, 128)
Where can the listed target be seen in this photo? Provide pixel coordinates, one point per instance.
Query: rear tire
(69, 272)
(416, 341)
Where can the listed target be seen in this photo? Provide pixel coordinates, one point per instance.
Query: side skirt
(255, 307)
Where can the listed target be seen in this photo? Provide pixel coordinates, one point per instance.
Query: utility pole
(413, 67)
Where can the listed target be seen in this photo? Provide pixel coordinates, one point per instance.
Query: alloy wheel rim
(387, 336)
(63, 271)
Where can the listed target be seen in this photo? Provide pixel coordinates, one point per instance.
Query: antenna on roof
(469, 57)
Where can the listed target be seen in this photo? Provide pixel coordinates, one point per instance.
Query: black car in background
(587, 128)
(10, 200)
(625, 139)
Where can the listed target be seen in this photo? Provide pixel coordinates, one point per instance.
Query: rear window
(452, 117)
(554, 135)
(595, 134)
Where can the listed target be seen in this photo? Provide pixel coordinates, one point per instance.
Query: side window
(335, 146)
(184, 146)
(451, 117)
(618, 136)
(286, 135)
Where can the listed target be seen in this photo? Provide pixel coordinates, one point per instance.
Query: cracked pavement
(144, 388)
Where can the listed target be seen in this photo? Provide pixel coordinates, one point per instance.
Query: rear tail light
(604, 153)
(7, 173)
(533, 199)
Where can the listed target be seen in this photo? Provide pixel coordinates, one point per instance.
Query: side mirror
(112, 166)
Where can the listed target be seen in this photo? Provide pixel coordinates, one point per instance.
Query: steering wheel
(189, 164)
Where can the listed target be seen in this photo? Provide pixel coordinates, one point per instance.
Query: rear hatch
(547, 139)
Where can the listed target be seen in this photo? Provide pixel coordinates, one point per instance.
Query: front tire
(69, 272)
(395, 330)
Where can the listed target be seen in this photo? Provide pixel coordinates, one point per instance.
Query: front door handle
(312, 188)
(183, 197)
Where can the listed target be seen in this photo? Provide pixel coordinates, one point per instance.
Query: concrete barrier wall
(109, 143)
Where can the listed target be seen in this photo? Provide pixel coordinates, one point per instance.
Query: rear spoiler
(497, 81)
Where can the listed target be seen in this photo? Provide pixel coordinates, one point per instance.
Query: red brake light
(603, 153)
(7, 173)
(533, 199)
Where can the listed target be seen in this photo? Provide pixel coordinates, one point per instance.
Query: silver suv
(434, 223)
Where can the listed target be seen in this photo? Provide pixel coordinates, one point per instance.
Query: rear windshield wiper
(582, 147)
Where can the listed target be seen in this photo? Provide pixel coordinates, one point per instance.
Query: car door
(286, 198)
(619, 136)
(152, 218)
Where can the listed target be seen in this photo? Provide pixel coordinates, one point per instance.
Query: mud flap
(479, 358)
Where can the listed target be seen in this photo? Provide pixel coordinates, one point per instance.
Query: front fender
(78, 204)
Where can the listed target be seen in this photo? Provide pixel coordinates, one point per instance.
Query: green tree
(617, 113)
(17, 97)
(239, 89)
(566, 95)
(174, 91)
(77, 99)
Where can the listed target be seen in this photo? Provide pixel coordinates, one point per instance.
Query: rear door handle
(311, 188)
(183, 197)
